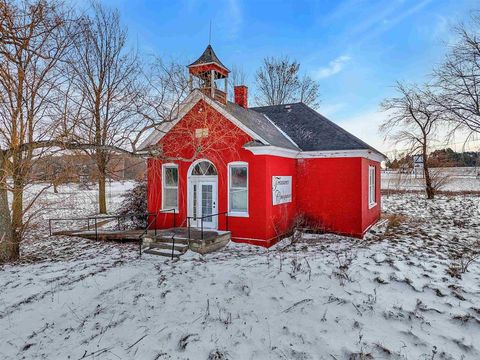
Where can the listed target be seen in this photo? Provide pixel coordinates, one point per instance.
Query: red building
(267, 168)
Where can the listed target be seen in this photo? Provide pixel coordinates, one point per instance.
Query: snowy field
(453, 179)
(323, 297)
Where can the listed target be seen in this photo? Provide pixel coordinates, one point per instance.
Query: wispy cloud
(405, 14)
(333, 67)
(372, 18)
(235, 18)
(383, 24)
(365, 126)
(330, 109)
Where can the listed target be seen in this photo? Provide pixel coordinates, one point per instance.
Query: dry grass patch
(395, 220)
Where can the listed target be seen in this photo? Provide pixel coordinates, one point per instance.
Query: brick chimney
(240, 93)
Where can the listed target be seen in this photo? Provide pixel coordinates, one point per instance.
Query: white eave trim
(273, 150)
(184, 108)
(367, 154)
(293, 154)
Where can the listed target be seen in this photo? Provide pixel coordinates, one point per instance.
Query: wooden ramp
(105, 235)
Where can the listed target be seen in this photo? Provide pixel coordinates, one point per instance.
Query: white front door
(203, 202)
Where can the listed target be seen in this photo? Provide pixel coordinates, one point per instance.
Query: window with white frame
(371, 187)
(238, 188)
(169, 186)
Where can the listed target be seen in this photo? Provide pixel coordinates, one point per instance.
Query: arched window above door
(204, 168)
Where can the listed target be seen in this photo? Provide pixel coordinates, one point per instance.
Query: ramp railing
(202, 219)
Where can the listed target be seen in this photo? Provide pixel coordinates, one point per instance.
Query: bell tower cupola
(208, 72)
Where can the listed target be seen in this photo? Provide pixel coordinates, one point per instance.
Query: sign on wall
(281, 189)
(199, 133)
(418, 159)
(418, 165)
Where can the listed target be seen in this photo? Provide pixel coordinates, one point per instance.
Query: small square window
(371, 187)
(238, 189)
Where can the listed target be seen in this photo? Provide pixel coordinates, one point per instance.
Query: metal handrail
(87, 218)
(118, 217)
(95, 219)
(140, 238)
(154, 221)
(174, 214)
(201, 221)
(173, 244)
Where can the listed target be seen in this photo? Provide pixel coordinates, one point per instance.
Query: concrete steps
(169, 254)
(163, 246)
(162, 241)
(165, 240)
(168, 246)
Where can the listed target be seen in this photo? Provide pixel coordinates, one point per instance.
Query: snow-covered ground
(453, 179)
(323, 297)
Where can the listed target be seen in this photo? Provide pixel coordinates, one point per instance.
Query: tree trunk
(426, 172)
(17, 213)
(102, 199)
(9, 250)
(428, 183)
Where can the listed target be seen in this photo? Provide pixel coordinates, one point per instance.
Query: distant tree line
(449, 158)
(440, 158)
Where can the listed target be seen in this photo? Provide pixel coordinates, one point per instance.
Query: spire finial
(210, 34)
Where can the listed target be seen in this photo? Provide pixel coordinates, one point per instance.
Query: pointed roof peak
(208, 57)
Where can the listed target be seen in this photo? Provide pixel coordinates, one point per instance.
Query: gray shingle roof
(310, 130)
(208, 57)
(260, 125)
(292, 126)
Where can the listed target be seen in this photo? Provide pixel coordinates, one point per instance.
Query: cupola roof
(208, 57)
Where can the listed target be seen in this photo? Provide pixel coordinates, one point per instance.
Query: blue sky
(357, 49)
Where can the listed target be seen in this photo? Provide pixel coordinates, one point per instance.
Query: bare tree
(166, 87)
(309, 91)
(458, 78)
(34, 39)
(278, 82)
(105, 74)
(237, 77)
(44, 108)
(412, 120)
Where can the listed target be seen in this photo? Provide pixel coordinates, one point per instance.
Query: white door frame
(198, 180)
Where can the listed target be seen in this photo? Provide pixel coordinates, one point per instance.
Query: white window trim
(372, 190)
(164, 166)
(237, 213)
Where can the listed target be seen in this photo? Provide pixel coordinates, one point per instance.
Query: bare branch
(412, 120)
(278, 82)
